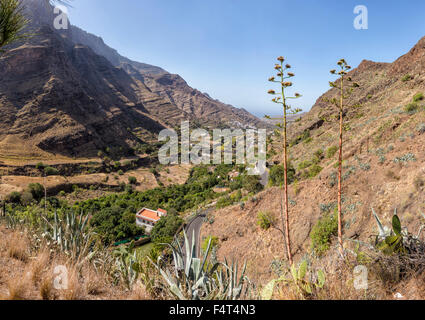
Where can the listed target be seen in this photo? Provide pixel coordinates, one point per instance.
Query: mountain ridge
(63, 97)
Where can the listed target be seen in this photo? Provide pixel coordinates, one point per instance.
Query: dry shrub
(46, 288)
(414, 289)
(390, 174)
(17, 288)
(93, 282)
(75, 290)
(18, 247)
(418, 183)
(139, 292)
(39, 265)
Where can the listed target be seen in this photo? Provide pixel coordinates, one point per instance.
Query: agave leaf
(195, 269)
(176, 291)
(189, 253)
(396, 225)
(205, 258)
(242, 273)
(392, 240)
(380, 227)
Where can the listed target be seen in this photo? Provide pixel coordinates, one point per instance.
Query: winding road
(194, 226)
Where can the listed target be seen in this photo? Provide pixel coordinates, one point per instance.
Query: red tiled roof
(148, 214)
(162, 210)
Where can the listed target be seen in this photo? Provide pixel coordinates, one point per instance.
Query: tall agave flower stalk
(345, 86)
(282, 99)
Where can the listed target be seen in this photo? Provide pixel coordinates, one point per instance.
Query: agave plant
(230, 284)
(397, 239)
(126, 261)
(70, 234)
(10, 220)
(192, 278)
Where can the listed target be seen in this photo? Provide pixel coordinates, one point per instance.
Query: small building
(147, 218)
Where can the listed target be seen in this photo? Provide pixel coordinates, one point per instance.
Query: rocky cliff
(66, 92)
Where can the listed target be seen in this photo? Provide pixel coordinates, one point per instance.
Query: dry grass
(18, 248)
(93, 283)
(39, 264)
(25, 277)
(46, 288)
(139, 292)
(17, 288)
(74, 289)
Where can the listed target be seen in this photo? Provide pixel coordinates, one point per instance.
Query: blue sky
(228, 48)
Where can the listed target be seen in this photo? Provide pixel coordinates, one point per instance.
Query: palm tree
(12, 22)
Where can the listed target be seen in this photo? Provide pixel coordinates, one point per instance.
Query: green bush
(132, 180)
(36, 190)
(237, 196)
(114, 224)
(406, 78)
(418, 97)
(276, 175)
(49, 171)
(305, 136)
(264, 220)
(27, 198)
(252, 183)
(14, 197)
(314, 170)
(308, 140)
(166, 227)
(304, 164)
(224, 202)
(214, 242)
(322, 231)
(40, 166)
(330, 152)
(319, 154)
(411, 107)
(120, 172)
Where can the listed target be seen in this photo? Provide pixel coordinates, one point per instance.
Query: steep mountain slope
(384, 168)
(65, 92)
(172, 87)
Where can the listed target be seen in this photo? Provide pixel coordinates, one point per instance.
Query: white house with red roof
(147, 218)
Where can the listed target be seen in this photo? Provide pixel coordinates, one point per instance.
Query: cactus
(300, 277)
